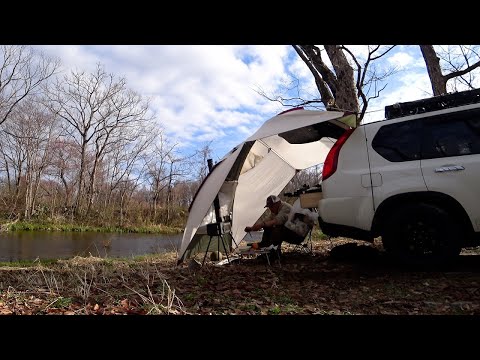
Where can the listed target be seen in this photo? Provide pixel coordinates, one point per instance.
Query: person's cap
(272, 199)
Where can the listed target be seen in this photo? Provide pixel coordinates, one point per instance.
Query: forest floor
(340, 277)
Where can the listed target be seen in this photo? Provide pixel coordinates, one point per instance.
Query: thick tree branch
(325, 93)
(461, 72)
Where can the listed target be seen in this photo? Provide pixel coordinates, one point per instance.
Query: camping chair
(249, 252)
(306, 245)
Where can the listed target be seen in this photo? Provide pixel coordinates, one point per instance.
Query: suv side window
(399, 142)
(453, 134)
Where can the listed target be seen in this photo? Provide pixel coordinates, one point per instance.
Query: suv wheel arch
(439, 200)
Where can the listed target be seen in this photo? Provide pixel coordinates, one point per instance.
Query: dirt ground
(340, 277)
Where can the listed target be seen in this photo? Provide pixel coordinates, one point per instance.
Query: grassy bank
(45, 226)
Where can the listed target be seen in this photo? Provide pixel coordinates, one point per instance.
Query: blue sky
(203, 94)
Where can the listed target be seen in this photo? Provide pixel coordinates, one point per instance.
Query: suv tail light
(330, 165)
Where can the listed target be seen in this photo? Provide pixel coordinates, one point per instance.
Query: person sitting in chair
(274, 229)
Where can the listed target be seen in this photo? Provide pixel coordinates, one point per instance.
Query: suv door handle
(449, 168)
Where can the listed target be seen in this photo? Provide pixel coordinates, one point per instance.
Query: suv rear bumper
(336, 230)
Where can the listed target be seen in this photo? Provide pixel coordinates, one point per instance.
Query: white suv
(413, 179)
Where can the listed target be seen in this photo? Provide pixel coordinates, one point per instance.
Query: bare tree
(185, 191)
(125, 166)
(342, 78)
(64, 165)
(159, 169)
(125, 124)
(33, 129)
(202, 156)
(14, 157)
(98, 111)
(7, 161)
(22, 71)
(451, 62)
(177, 169)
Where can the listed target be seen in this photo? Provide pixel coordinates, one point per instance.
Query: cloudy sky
(210, 94)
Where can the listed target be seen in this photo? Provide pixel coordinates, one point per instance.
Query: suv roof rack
(431, 104)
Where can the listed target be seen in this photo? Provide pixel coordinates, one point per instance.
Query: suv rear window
(398, 142)
(452, 134)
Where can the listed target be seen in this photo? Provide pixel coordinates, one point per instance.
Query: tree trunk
(324, 77)
(439, 84)
(76, 207)
(169, 192)
(91, 187)
(28, 196)
(345, 94)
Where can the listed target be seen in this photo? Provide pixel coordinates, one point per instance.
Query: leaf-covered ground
(340, 277)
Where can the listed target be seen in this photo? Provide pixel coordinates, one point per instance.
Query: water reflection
(30, 245)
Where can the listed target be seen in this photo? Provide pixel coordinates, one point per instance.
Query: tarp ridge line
(276, 153)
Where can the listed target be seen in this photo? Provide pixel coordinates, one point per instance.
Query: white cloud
(411, 85)
(199, 93)
(208, 93)
(359, 51)
(401, 60)
(300, 69)
(73, 57)
(414, 86)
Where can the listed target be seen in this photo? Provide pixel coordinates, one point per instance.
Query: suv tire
(422, 234)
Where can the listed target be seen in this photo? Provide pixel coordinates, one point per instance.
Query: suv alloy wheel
(422, 233)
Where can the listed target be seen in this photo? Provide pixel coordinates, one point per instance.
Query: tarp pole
(216, 202)
(219, 225)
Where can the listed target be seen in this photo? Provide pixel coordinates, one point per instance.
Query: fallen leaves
(303, 284)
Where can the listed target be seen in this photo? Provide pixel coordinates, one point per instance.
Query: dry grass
(303, 284)
(90, 285)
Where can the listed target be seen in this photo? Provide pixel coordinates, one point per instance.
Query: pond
(31, 245)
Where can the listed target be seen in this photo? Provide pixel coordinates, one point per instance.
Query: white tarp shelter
(260, 166)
